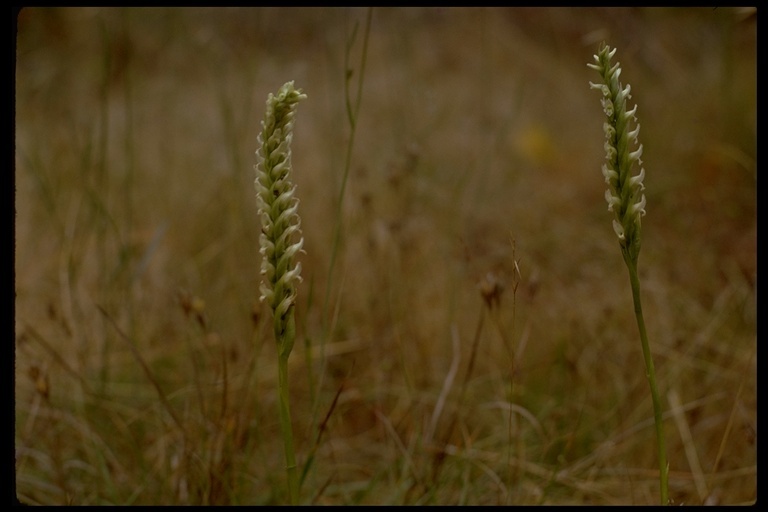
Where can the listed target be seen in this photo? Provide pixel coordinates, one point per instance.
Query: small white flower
(638, 208)
(637, 181)
(602, 87)
(611, 176)
(612, 200)
(630, 114)
(624, 95)
(607, 107)
(618, 229)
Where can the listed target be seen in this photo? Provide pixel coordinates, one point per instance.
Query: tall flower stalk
(626, 200)
(280, 228)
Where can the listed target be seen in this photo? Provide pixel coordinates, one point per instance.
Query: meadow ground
(427, 370)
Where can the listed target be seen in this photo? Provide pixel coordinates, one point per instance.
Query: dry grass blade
(146, 369)
(690, 448)
(39, 338)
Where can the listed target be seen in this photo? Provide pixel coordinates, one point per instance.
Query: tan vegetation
(145, 364)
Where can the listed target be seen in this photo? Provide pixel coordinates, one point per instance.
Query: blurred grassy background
(478, 145)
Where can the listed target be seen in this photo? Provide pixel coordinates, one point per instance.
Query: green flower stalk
(280, 226)
(626, 200)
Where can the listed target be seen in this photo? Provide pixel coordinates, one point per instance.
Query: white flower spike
(278, 208)
(624, 194)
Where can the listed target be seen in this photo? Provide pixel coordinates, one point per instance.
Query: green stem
(285, 411)
(650, 373)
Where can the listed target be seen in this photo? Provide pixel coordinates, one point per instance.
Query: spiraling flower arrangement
(626, 200)
(625, 192)
(278, 208)
(280, 221)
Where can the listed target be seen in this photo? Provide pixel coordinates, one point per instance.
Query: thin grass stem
(352, 114)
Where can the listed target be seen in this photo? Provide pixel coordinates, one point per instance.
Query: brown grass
(136, 131)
